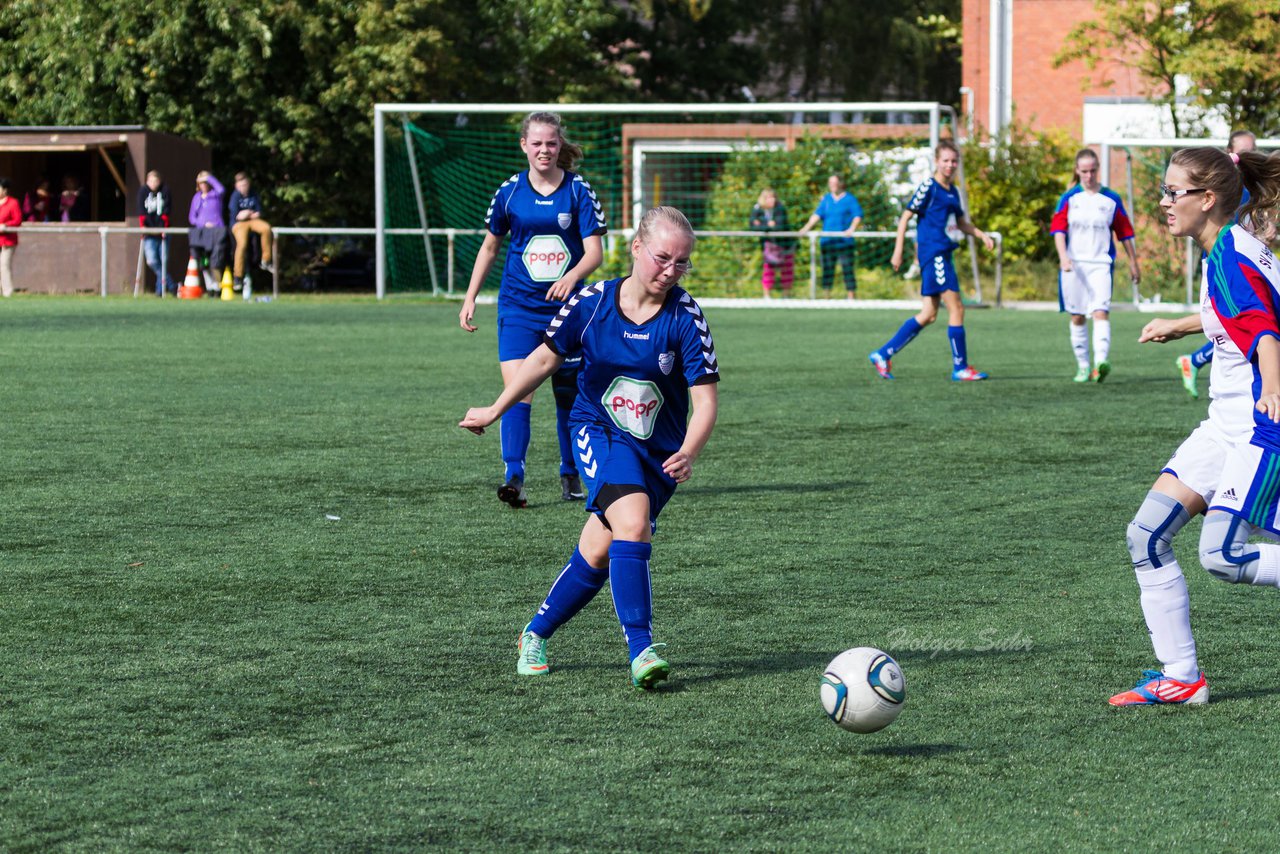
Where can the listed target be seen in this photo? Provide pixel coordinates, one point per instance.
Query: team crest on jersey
(666, 361)
(633, 405)
(564, 220)
(546, 258)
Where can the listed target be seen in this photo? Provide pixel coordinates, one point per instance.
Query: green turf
(194, 656)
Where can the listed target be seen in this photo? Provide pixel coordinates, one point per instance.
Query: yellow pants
(240, 231)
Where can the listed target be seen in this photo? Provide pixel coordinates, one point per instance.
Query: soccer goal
(438, 165)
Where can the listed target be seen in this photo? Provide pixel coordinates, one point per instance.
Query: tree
(1224, 48)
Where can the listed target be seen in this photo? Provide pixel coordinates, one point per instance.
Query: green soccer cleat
(532, 660)
(1082, 375)
(1100, 373)
(648, 668)
(1188, 371)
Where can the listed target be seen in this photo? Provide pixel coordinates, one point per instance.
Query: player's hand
(988, 242)
(679, 467)
(466, 314)
(1160, 331)
(1064, 264)
(559, 292)
(896, 261)
(1269, 405)
(1135, 276)
(478, 418)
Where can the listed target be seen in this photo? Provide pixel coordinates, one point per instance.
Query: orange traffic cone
(191, 288)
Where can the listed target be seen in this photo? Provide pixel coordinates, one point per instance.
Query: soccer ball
(863, 689)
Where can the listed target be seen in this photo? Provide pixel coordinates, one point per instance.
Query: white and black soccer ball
(863, 689)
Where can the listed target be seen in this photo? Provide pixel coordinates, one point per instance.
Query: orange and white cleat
(1156, 689)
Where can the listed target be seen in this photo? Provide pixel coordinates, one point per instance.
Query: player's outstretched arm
(1165, 329)
(706, 399)
(901, 240)
(541, 363)
(479, 271)
(592, 255)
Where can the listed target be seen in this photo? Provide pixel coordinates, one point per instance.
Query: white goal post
(788, 112)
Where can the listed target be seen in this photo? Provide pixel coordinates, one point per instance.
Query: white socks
(1101, 341)
(1167, 609)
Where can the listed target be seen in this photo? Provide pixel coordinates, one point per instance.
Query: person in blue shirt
(1189, 365)
(837, 211)
(936, 203)
(647, 355)
(556, 224)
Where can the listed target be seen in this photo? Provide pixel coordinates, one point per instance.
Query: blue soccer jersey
(547, 234)
(635, 378)
(937, 210)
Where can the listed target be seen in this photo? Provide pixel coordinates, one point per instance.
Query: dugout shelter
(109, 163)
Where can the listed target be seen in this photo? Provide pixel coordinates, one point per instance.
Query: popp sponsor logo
(633, 405)
(546, 258)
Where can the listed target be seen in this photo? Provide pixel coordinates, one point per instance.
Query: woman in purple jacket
(208, 232)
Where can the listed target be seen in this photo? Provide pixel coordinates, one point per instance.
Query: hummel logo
(1229, 495)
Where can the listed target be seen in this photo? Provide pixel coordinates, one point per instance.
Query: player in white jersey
(1086, 217)
(1189, 365)
(1229, 465)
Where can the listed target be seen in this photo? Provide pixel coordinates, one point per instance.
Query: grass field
(194, 655)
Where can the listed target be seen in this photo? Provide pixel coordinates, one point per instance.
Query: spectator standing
(246, 218)
(10, 219)
(837, 211)
(208, 232)
(778, 253)
(154, 206)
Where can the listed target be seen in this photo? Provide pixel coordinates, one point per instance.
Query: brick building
(1020, 75)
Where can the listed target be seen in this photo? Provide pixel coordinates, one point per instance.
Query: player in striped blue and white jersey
(556, 224)
(1230, 465)
(941, 221)
(647, 355)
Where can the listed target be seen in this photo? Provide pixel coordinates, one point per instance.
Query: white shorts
(1250, 486)
(1200, 459)
(1086, 289)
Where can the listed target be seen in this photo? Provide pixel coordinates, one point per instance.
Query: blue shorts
(938, 274)
(520, 334)
(611, 467)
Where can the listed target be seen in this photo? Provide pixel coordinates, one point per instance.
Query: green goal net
(442, 164)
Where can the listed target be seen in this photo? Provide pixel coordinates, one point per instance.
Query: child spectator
(246, 218)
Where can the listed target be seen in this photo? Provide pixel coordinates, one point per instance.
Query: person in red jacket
(10, 219)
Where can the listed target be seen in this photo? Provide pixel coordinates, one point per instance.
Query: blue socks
(632, 596)
(568, 464)
(515, 439)
(1203, 356)
(904, 336)
(577, 585)
(959, 352)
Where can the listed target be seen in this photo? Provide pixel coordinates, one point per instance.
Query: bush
(1014, 185)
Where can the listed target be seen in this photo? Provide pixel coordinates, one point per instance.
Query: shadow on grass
(916, 751)
(797, 488)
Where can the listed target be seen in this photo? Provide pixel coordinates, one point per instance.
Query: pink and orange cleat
(1156, 689)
